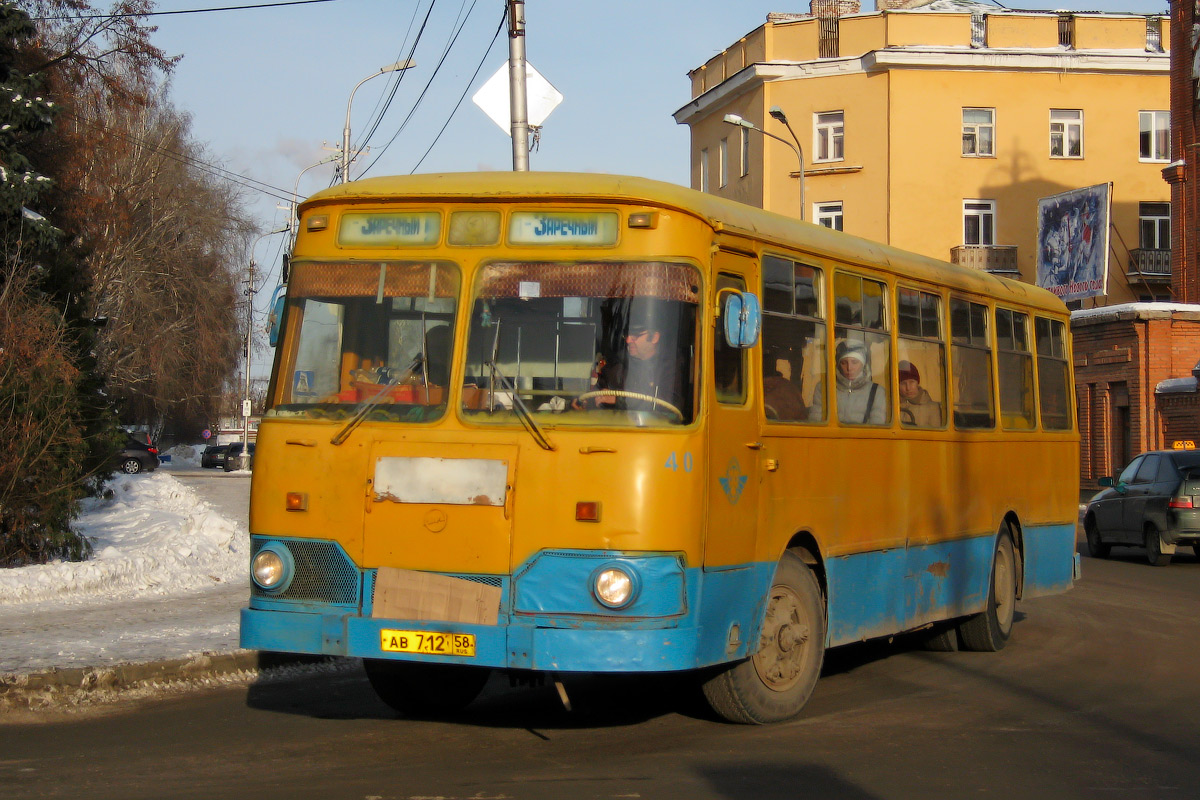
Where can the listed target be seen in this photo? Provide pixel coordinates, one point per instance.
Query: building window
(1066, 133)
(1155, 135)
(1155, 223)
(828, 136)
(745, 152)
(704, 170)
(979, 222)
(978, 29)
(979, 132)
(1066, 30)
(828, 215)
(1154, 35)
(723, 163)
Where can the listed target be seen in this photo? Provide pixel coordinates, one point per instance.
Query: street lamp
(296, 189)
(245, 457)
(399, 66)
(776, 113)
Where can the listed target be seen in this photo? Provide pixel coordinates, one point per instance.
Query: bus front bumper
(513, 646)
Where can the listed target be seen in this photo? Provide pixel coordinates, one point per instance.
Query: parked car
(1154, 503)
(233, 456)
(213, 456)
(138, 455)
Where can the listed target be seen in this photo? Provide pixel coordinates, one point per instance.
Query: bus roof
(719, 213)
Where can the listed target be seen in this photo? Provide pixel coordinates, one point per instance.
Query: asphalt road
(1096, 696)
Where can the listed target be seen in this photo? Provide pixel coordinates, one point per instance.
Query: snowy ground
(166, 581)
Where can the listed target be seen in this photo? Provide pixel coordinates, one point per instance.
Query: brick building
(1135, 380)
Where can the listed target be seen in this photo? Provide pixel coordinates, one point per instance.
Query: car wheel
(776, 682)
(1154, 553)
(131, 466)
(420, 689)
(1096, 547)
(989, 630)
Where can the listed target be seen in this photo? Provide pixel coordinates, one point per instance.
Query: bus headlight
(615, 585)
(272, 568)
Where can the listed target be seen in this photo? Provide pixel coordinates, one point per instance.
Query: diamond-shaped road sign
(493, 97)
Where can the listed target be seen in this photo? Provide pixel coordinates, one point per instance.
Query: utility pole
(518, 101)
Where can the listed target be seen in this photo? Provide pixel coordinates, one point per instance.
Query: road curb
(70, 685)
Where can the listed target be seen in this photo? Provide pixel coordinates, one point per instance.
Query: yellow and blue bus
(557, 423)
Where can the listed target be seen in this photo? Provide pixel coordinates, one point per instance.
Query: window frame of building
(723, 163)
(829, 136)
(1154, 226)
(975, 129)
(1154, 136)
(1062, 122)
(704, 169)
(745, 151)
(985, 214)
(829, 214)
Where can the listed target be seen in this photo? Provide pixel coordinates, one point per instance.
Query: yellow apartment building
(937, 129)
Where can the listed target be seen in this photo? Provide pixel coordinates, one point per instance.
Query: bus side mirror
(743, 319)
(275, 314)
(1106, 482)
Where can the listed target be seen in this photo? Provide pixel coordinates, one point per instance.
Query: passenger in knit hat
(917, 408)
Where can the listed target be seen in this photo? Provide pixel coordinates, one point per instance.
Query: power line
(421, 96)
(461, 97)
(212, 169)
(372, 127)
(82, 18)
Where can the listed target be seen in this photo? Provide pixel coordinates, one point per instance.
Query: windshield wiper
(522, 410)
(361, 412)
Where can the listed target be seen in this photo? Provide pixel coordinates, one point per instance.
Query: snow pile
(183, 455)
(152, 537)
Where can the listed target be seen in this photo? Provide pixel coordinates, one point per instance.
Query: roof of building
(1135, 311)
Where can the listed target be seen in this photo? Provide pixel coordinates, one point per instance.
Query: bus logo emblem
(733, 481)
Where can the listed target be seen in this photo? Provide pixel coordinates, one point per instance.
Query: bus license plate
(428, 642)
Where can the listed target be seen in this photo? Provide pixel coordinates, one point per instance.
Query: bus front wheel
(989, 630)
(776, 682)
(422, 689)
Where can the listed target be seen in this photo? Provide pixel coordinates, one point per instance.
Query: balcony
(997, 259)
(1150, 266)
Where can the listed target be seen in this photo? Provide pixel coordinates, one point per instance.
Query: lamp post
(399, 66)
(776, 113)
(245, 457)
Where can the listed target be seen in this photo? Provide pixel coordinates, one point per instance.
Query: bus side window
(971, 362)
(863, 377)
(793, 341)
(1053, 375)
(1015, 370)
(729, 363)
(921, 369)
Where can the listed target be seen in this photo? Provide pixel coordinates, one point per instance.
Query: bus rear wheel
(424, 689)
(775, 683)
(989, 630)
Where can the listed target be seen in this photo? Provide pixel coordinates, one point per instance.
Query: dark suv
(138, 455)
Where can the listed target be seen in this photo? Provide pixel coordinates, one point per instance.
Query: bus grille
(324, 574)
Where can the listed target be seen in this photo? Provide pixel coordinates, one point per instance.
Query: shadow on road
(765, 781)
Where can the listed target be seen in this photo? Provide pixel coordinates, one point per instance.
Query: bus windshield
(583, 343)
(376, 334)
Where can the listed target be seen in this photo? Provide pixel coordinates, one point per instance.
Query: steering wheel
(658, 401)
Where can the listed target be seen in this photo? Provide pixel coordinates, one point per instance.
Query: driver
(648, 374)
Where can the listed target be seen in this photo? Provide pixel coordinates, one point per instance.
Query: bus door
(735, 447)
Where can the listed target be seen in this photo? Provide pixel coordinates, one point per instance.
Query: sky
(267, 87)
(167, 579)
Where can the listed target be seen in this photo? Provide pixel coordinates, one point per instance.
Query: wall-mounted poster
(1072, 255)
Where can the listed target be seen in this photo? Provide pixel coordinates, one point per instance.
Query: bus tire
(417, 689)
(775, 683)
(989, 630)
